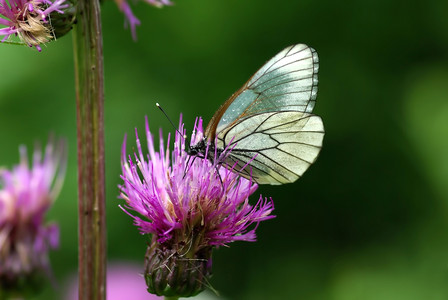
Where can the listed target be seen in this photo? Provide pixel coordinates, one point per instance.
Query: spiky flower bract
(35, 22)
(26, 193)
(188, 206)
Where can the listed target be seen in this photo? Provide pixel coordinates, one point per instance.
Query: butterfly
(268, 123)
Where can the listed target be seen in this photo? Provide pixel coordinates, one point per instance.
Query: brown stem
(88, 57)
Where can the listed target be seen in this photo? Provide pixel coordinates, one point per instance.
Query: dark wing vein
(246, 170)
(234, 141)
(253, 85)
(287, 55)
(256, 160)
(267, 72)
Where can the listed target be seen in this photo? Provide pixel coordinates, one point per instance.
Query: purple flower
(187, 207)
(29, 20)
(124, 281)
(131, 19)
(26, 193)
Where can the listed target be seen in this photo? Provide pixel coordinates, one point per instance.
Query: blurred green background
(367, 221)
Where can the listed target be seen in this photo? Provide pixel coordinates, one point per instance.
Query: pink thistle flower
(188, 208)
(124, 281)
(30, 20)
(131, 20)
(26, 193)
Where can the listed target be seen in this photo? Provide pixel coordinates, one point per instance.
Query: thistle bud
(170, 272)
(62, 23)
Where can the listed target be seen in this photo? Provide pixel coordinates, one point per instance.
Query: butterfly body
(268, 124)
(204, 149)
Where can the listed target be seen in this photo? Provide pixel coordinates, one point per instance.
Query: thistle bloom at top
(26, 193)
(131, 19)
(188, 208)
(30, 20)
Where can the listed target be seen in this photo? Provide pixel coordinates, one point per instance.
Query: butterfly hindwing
(279, 146)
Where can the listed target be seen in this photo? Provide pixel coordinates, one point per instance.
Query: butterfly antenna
(174, 126)
(184, 136)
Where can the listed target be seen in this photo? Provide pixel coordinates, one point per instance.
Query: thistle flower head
(31, 20)
(188, 206)
(26, 193)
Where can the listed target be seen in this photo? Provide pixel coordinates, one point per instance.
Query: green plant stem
(88, 57)
(170, 298)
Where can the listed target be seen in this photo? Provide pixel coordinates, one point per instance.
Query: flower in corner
(35, 22)
(188, 206)
(26, 193)
(131, 20)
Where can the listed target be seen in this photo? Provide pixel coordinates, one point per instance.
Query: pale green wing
(288, 82)
(277, 147)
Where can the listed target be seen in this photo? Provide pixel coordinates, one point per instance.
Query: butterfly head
(205, 149)
(199, 149)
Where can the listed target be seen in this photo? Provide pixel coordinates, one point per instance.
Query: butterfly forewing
(286, 82)
(268, 124)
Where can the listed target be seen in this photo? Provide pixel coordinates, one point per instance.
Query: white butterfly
(268, 123)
